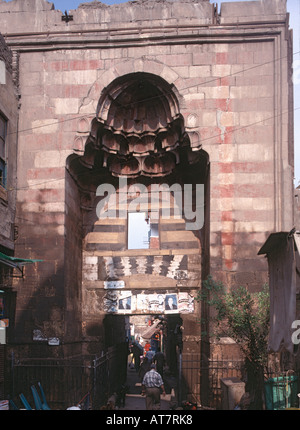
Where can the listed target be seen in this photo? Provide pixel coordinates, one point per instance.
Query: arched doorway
(138, 141)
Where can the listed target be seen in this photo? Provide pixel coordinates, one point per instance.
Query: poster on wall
(119, 302)
(124, 301)
(185, 303)
(171, 305)
(142, 302)
(110, 302)
(156, 302)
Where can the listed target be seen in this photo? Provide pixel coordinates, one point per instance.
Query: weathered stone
(132, 71)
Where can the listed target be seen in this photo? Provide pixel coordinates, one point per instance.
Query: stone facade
(8, 185)
(8, 157)
(8, 154)
(222, 82)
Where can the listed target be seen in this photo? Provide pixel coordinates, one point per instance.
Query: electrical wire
(160, 95)
(231, 131)
(226, 132)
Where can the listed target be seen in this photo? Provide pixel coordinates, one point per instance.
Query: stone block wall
(233, 86)
(9, 111)
(243, 196)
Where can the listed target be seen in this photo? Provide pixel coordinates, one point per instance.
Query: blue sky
(293, 7)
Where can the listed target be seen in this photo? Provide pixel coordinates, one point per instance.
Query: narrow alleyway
(134, 400)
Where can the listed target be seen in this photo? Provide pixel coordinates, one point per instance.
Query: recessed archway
(138, 134)
(138, 129)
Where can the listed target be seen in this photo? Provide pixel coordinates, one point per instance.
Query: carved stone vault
(138, 130)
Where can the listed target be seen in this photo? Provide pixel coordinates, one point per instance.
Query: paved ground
(134, 401)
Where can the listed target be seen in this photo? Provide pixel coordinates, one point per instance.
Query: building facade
(8, 148)
(115, 101)
(8, 184)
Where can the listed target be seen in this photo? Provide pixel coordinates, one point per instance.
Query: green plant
(244, 317)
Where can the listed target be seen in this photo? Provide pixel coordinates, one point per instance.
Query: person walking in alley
(159, 360)
(144, 368)
(137, 351)
(151, 386)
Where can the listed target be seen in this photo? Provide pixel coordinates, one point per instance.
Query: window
(138, 231)
(3, 128)
(154, 233)
(142, 232)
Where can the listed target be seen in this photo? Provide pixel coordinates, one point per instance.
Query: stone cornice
(136, 36)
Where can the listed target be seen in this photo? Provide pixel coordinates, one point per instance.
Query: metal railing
(91, 379)
(202, 384)
(66, 381)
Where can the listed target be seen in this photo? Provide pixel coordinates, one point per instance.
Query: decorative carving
(192, 120)
(83, 126)
(139, 129)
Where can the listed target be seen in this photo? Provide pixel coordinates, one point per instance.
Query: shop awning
(15, 262)
(151, 330)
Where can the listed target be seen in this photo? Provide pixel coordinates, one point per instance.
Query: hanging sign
(112, 285)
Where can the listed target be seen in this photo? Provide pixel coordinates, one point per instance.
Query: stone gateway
(152, 92)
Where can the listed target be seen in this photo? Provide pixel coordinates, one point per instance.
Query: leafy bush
(244, 317)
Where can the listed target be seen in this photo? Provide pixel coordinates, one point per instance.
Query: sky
(293, 7)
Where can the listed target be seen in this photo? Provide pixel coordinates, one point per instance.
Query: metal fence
(281, 390)
(202, 384)
(90, 380)
(218, 369)
(66, 382)
(93, 378)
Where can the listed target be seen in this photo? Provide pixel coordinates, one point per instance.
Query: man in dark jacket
(137, 351)
(159, 360)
